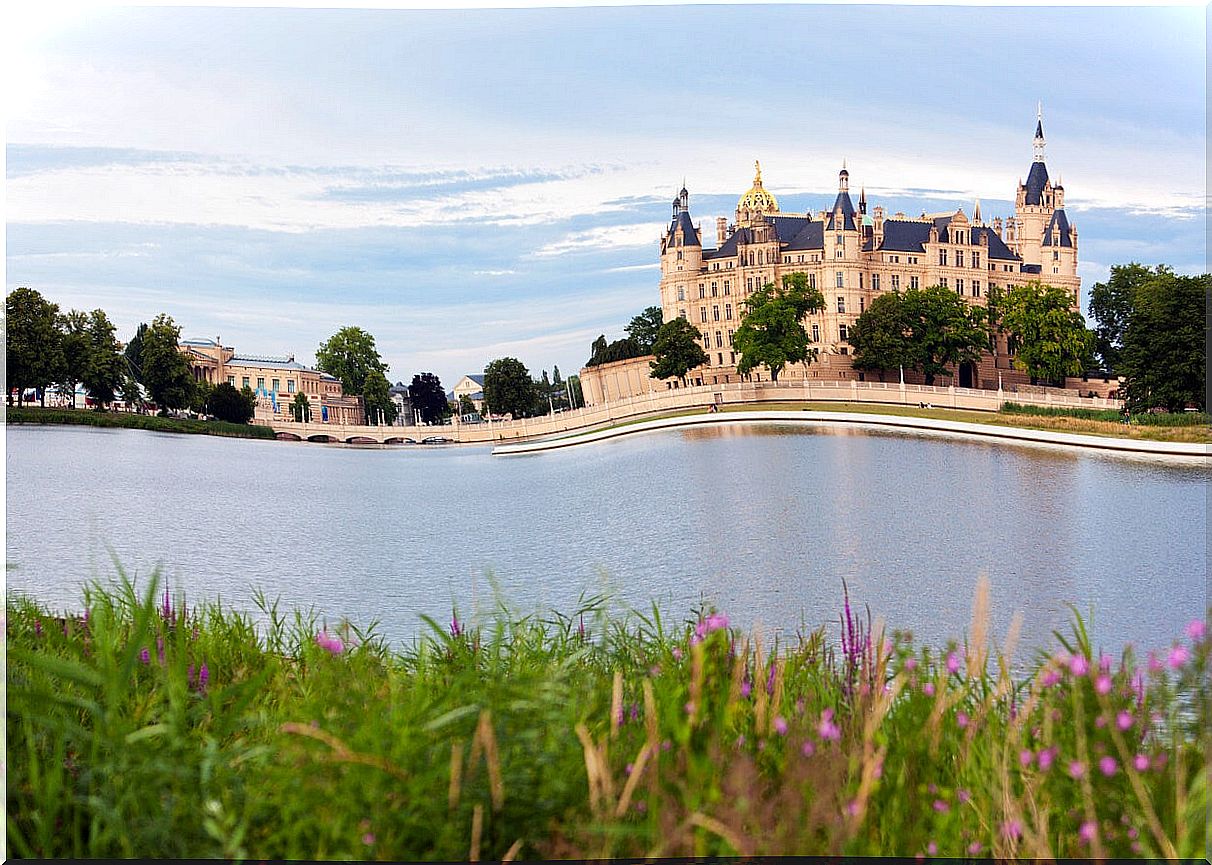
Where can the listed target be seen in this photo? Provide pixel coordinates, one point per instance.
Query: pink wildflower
(1103, 684)
(1155, 664)
(974, 848)
(780, 725)
(203, 678)
(1051, 677)
(808, 748)
(1107, 766)
(1046, 756)
(368, 839)
(1078, 665)
(629, 768)
(1077, 768)
(932, 849)
(1100, 721)
(1012, 829)
(1087, 832)
(145, 656)
(677, 653)
(1178, 656)
(1196, 629)
(827, 729)
(928, 689)
(689, 707)
(852, 807)
(1124, 719)
(1025, 757)
(953, 663)
(961, 718)
(963, 796)
(911, 663)
(330, 642)
(941, 806)
(1140, 763)
(746, 689)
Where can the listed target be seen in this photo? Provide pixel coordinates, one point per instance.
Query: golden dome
(757, 198)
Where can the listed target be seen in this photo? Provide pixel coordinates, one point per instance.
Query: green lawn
(127, 420)
(136, 728)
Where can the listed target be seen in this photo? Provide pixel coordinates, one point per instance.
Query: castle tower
(1034, 203)
(681, 257)
(755, 204)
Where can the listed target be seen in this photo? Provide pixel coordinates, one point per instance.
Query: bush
(229, 404)
(1110, 415)
(126, 420)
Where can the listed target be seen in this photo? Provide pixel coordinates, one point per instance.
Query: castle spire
(976, 212)
(862, 199)
(1039, 133)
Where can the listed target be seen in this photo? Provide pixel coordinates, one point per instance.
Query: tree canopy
(165, 371)
(881, 335)
(228, 404)
(676, 350)
(428, 397)
(621, 349)
(300, 408)
(376, 393)
(1111, 307)
(1052, 338)
(644, 328)
(1163, 360)
(509, 389)
(944, 330)
(33, 346)
(771, 333)
(350, 355)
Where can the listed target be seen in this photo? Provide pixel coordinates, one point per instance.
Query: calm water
(765, 522)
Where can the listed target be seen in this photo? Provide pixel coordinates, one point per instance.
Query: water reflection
(763, 520)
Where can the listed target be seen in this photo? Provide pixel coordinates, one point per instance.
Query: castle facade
(852, 254)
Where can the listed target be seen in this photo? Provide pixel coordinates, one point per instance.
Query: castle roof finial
(757, 173)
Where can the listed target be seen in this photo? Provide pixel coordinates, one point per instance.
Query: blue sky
(472, 184)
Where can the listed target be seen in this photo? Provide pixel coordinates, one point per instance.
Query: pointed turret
(1037, 178)
(976, 213)
(841, 215)
(863, 200)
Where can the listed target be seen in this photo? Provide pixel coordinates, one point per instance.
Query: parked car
(436, 440)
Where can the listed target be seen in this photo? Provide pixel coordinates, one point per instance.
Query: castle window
(860, 280)
(841, 281)
(1056, 270)
(1056, 255)
(976, 260)
(959, 257)
(682, 313)
(942, 258)
(246, 381)
(703, 313)
(812, 280)
(786, 259)
(679, 255)
(727, 287)
(290, 385)
(715, 313)
(841, 304)
(862, 305)
(875, 282)
(277, 385)
(959, 287)
(681, 292)
(838, 254)
(260, 383)
(842, 333)
(912, 282)
(943, 282)
(728, 311)
(719, 343)
(702, 290)
(976, 288)
(714, 290)
(816, 333)
(231, 379)
(730, 342)
(896, 281)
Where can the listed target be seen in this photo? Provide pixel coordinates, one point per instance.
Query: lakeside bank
(31, 416)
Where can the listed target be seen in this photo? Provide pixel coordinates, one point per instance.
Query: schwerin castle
(851, 254)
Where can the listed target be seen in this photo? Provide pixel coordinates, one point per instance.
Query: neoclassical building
(275, 381)
(852, 254)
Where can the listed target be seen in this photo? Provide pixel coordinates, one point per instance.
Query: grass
(129, 420)
(1185, 428)
(138, 728)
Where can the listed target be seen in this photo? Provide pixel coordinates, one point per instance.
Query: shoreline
(1184, 451)
(34, 416)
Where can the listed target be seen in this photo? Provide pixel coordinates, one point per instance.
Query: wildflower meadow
(139, 726)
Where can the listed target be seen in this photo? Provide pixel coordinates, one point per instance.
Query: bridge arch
(361, 440)
(323, 438)
(288, 437)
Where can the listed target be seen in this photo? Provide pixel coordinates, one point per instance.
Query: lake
(764, 522)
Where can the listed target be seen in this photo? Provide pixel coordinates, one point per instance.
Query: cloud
(604, 238)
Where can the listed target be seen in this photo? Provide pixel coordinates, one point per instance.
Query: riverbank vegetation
(142, 727)
(130, 420)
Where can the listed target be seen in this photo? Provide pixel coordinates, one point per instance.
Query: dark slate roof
(478, 379)
(811, 236)
(728, 250)
(1061, 223)
(842, 201)
(912, 236)
(691, 237)
(1031, 268)
(398, 388)
(1035, 182)
(1039, 129)
(787, 227)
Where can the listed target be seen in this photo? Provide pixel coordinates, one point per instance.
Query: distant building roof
(200, 342)
(1060, 223)
(247, 360)
(690, 236)
(1036, 181)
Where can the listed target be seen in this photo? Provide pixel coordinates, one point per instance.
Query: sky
(478, 183)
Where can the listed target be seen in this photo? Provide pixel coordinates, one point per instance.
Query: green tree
(231, 405)
(508, 388)
(466, 406)
(376, 393)
(33, 341)
(300, 408)
(429, 397)
(1111, 307)
(621, 349)
(644, 328)
(880, 337)
(166, 373)
(134, 353)
(105, 366)
(1163, 359)
(676, 350)
(351, 356)
(131, 391)
(572, 386)
(73, 329)
(199, 400)
(771, 332)
(1052, 338)
(944, 330)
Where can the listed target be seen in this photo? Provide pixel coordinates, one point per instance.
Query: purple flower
(203, 677)
(1025, 757)
(1045, 758)
(1107, 766)
(961, 718)
(160, 650)
(1100, 721)
(635, 711)
(941, 806)
(808, 749)
(1077, 768)
(677, 653)
(1124, 719)
(746, 688)
(456, 627)
(974, 848)
(1178, 656)
(780, 725)
(629, 768)
(1078, 665)
(1051, 677)
(1104, 663)
(689, 707)
(330, 642)
(145, 656)
(963, 796)
(37, 627)
(1087, 832)
(1103, 684)
(368, 839)
(953, 663)
(932, 849)
(1155, 664)
(1012, 829)
(828, 730)
(928, 689)
(1196, 629)
(770, 678)
(1140, 763)
(911, 663)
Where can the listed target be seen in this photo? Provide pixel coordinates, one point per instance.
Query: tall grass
(1163, 419)
(129, 420)
(139, 727)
